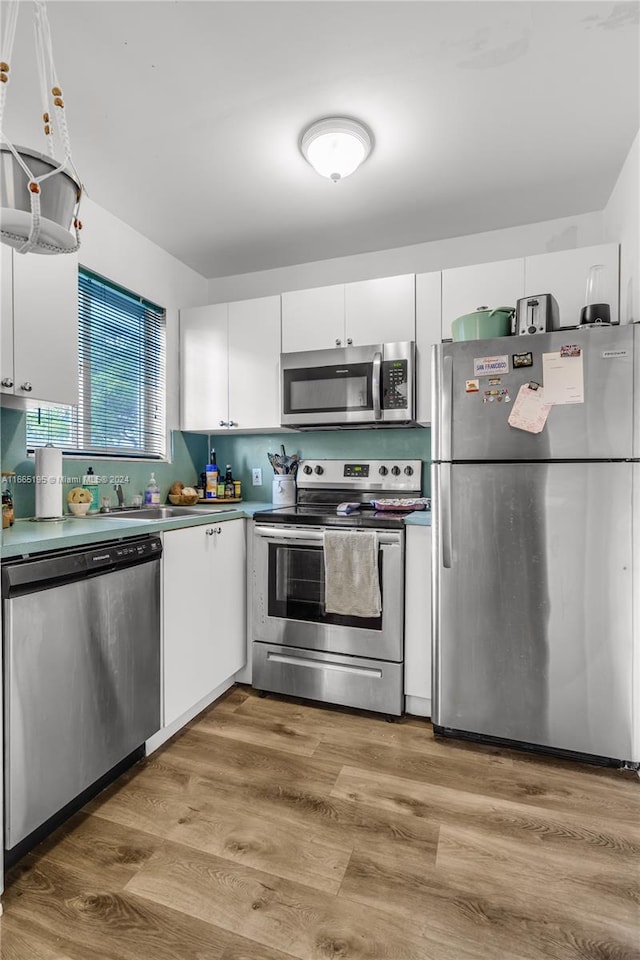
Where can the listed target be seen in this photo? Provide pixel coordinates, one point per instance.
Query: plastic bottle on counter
(152, 493)
(90, 483)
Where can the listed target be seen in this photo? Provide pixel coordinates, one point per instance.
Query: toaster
(538, 314)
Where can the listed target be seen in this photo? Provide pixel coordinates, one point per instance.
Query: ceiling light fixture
(336, 146)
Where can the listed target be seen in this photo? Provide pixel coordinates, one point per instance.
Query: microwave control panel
(395, 385)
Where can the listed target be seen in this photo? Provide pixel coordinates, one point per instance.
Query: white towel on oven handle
(351, 574)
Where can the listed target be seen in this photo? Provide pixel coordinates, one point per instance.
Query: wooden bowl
(178, 500)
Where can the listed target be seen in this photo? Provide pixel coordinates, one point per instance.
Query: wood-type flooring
(272, 829)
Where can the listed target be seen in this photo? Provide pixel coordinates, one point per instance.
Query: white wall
(549, 235)
(621, 219)
(115, 250)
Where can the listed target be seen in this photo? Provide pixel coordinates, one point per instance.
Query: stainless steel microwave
(371, 386)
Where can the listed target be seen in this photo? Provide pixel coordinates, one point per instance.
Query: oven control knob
(307, 469)
(395, 471)
(408, 471)
(383, 471)
(319, 470)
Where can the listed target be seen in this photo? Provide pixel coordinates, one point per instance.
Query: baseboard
(167, 732)
(417, 706)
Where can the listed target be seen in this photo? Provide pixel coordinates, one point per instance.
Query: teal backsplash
(246, 452)
(189, 453)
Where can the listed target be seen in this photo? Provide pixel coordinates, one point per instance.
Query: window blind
(121, 377)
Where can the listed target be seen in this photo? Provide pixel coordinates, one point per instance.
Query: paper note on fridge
(530, 411)
(562, 378)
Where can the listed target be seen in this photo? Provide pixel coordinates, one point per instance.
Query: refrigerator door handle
(445, 514)
(446, 408)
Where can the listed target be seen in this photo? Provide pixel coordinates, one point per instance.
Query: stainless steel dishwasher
(81, 637)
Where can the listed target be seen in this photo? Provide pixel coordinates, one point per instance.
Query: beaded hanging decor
(38, 183)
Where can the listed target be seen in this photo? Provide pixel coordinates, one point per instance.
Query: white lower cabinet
(417, 621)
(204, 606)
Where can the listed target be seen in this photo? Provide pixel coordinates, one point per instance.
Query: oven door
(288, 596)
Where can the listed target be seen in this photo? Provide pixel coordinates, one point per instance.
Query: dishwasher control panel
(60, 566)
(124, 552)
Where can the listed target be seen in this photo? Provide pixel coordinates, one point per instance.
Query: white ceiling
(185, 117)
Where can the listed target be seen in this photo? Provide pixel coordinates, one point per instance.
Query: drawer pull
(323, 665)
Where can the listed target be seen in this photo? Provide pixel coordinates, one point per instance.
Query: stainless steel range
(299, 647)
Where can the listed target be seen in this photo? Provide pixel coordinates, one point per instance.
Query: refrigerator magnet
(522, 360)
(570, 350)
(490, 366)
(472, 386)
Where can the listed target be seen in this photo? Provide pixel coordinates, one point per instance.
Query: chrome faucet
(119, 494)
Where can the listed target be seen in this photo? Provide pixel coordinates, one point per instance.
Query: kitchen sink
(157, 513)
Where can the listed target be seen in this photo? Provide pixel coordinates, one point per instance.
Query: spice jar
(7, 501)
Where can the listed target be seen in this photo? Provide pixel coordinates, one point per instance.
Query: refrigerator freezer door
(473, 399)
(533, 603)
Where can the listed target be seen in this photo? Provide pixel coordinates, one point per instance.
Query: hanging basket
(59, 196)
(39, 195)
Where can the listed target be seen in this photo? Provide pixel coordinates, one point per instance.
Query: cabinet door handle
(349, 342)
(338, 342)
(223, 423)
(6, 382)
(211, 530)
(232, 423)
(26, 387)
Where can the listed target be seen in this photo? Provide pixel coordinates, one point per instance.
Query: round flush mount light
(336, 146)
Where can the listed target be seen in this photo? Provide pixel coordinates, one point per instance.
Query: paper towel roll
(48, 479)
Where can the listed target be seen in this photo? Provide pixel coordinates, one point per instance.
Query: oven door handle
(317, 536)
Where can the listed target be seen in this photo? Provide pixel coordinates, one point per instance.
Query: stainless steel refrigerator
(536, 571)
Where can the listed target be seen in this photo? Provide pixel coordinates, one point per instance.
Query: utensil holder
(284, 491)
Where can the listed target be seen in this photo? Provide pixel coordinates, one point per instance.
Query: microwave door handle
(375, 386)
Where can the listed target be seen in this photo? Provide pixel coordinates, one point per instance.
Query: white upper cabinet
(380, 311)
(564, 274)
(313, 319)
(428, 327)
(254, 364)
(229, 361)
(204, 371)
(464, 289)
(40, 327)
(368, 311)
(7, 378)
